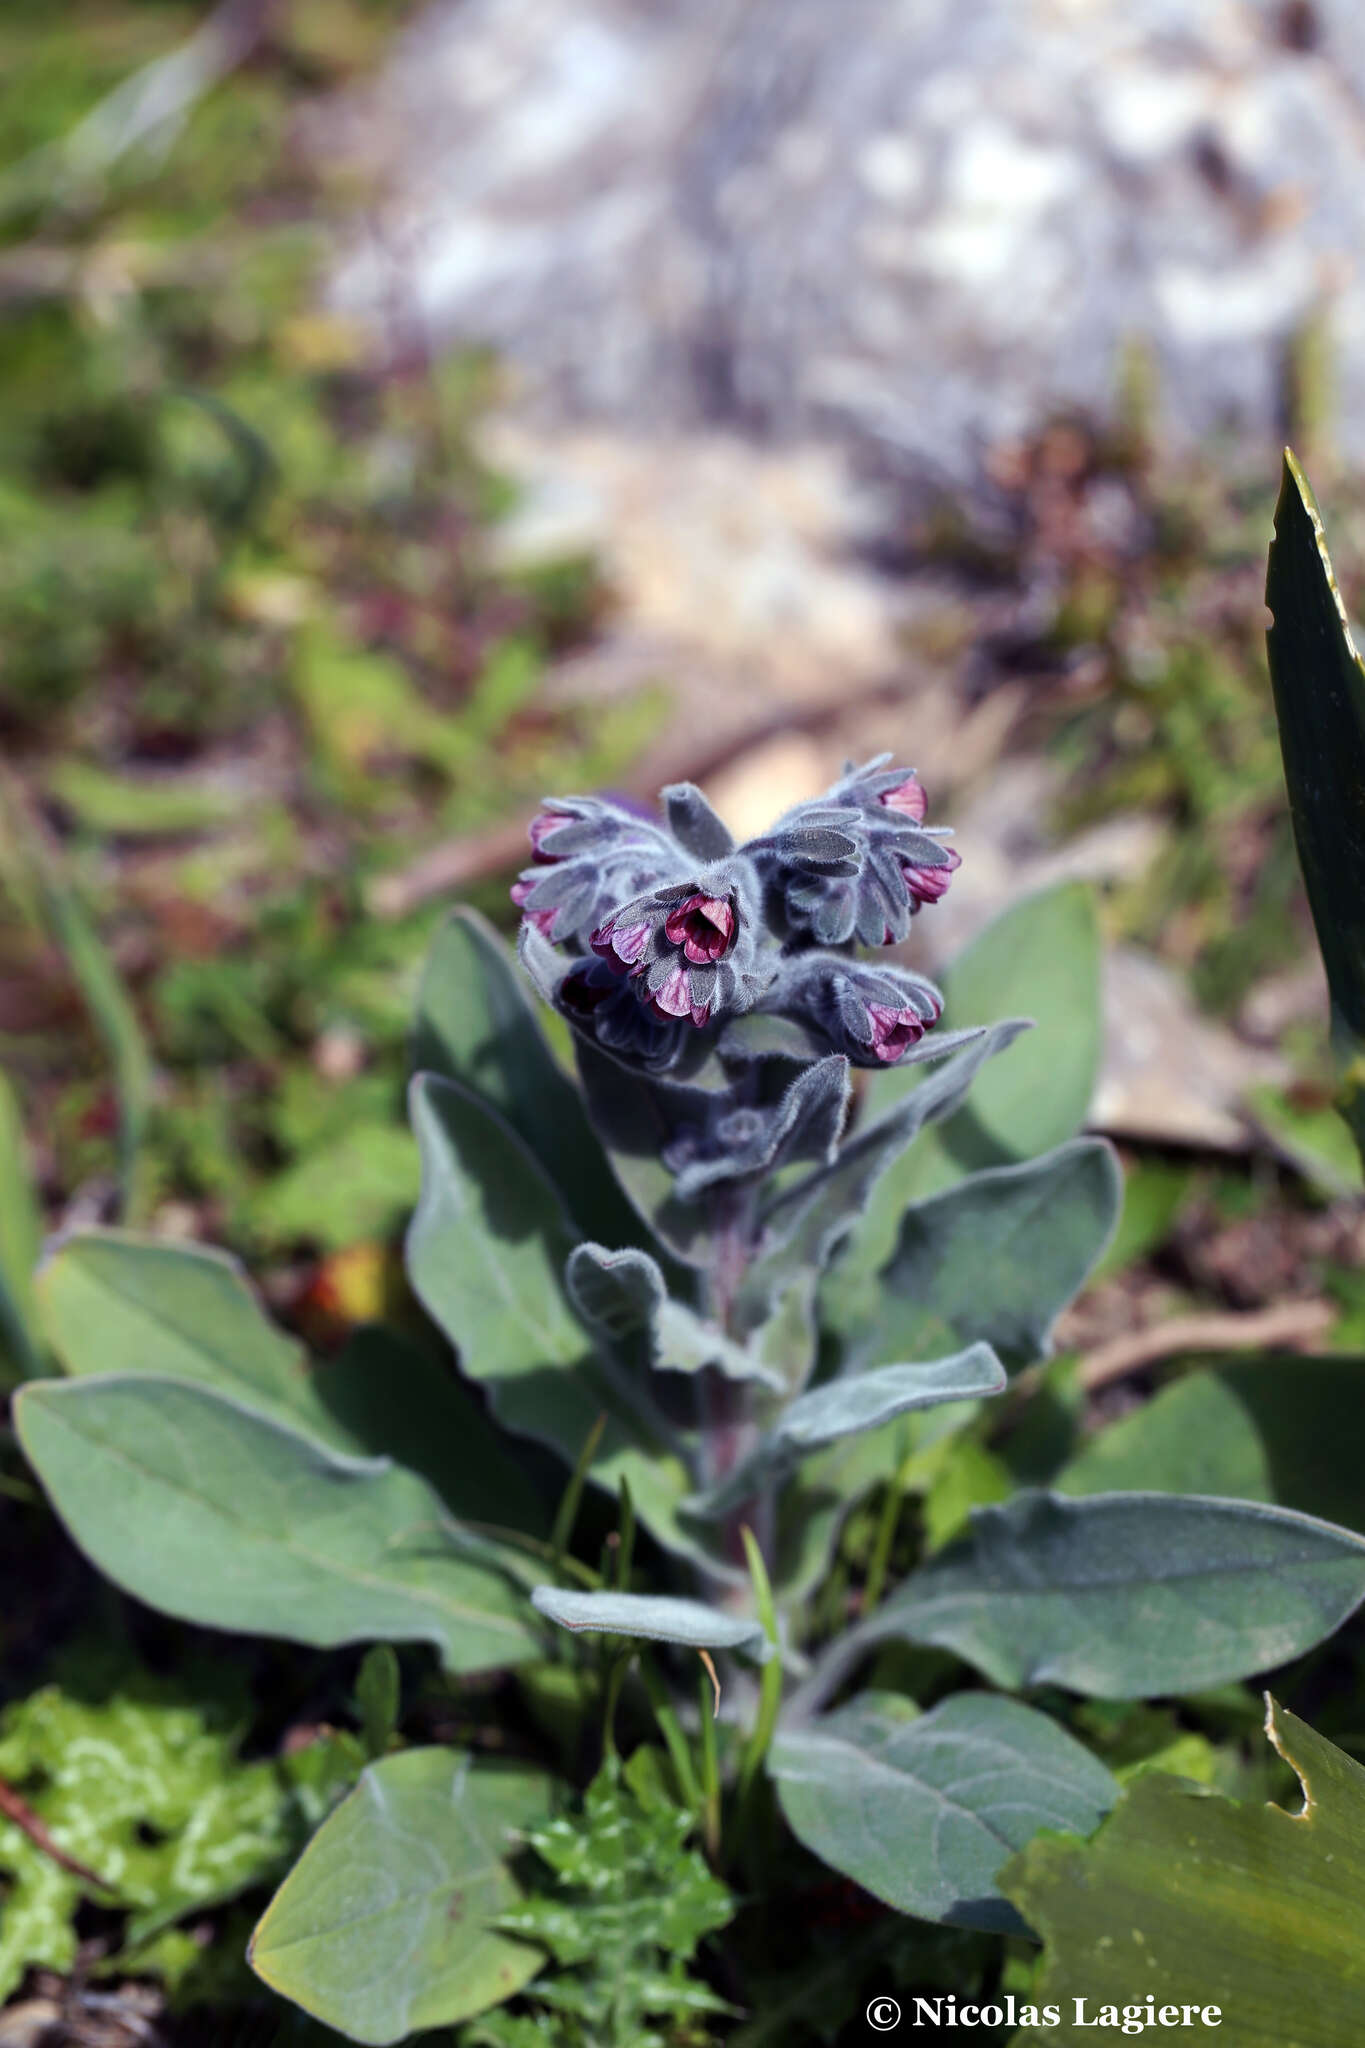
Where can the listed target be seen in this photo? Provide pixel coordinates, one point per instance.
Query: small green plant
(621, 1911)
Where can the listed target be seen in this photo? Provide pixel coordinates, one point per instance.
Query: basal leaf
(920, 1809)
(656, 1618)
(1319, 684)
(211, 1511)
(1193, 1900)
(996, 1258)
(112, 1302)
(383, 1927)
(475, 1024)
(1124, 1595)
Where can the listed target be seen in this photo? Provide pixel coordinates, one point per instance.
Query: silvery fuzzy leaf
(805, 1224)
(623, 1298)
(694, 824)
(804, 1125)
(850, 1406)
(998, 1256)
(655, 1617)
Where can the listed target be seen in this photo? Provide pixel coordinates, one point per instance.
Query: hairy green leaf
(656, 1617)
(806, 1223)
(996, 1258)
(213, 1512)
(382, 1928)
(1270, 1429)
(919, 1809)
(857, 1404)
(1124, 1595)
(1040, 959)
(1193, 1900)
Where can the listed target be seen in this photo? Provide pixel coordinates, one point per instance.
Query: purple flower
(622, 944)
(910, 798)
(894, 1031)
(930, 884)
(704, 926)
(541, 828)
(543, 920)
(673, 998)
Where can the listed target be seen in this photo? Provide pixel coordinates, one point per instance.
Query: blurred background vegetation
(261, 652)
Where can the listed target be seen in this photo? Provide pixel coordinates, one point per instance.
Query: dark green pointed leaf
(1124, 1595)
(391, 1398)
(920, 1809)
(475, 1024)
(486, 1253)
(385, 1925)
(210, 1511)
(655, 1618)
(1190, 1899)
(1319, 684)
(997, 1257)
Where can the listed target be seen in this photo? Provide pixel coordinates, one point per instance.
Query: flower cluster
(646, 935)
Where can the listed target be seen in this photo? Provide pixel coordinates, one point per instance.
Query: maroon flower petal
(893, 1031)
(539, 829)
(621, 946)
(910, 798)
(543, 920)
(704, 926)
(929, 885)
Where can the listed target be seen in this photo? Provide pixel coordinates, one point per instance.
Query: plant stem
(770, 1691)
(615, 1680)
(572, 1495)
(710, 1769)
(892, 1504)
(675, 1741)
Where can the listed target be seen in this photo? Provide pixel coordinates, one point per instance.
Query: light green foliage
(386, 1925)
(145, 1789)
(919, 1808)
(622, 1908)
(1189, 1898)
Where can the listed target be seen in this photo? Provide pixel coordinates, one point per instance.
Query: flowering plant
(704, 1279)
